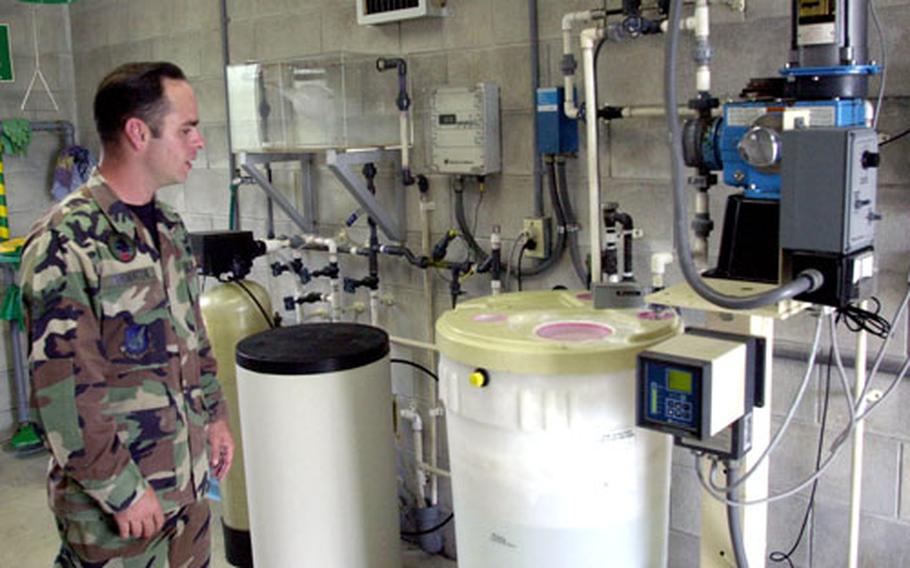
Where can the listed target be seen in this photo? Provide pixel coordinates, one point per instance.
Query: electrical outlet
(539, 229)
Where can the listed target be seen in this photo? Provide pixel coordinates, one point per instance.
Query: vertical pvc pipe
(588, 37)
(856, 470)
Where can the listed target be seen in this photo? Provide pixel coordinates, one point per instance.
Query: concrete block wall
(488, 41)
(29, 177)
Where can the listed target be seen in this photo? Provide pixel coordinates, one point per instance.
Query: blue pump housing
(556, 133)
(740, 116)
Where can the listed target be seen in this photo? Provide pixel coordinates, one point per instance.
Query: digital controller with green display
(672, 395)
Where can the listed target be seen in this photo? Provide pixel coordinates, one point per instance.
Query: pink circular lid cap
(574, 331)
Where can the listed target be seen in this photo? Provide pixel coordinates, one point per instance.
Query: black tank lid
(312, 348)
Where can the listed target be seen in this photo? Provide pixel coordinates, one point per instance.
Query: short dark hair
(133, 90)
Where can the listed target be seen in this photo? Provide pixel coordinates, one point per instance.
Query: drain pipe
(413, 416)
(589, 39)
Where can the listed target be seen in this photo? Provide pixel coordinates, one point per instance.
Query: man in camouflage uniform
(123, 381)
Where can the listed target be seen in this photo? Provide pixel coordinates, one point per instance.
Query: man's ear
(137, 133)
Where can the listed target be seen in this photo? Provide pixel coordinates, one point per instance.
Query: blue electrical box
(739, 117)
(556, 133)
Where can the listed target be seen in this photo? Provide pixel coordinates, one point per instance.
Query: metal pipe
(64, 126)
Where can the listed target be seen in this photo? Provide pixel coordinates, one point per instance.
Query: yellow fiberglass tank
(548, 467)
(230, 315)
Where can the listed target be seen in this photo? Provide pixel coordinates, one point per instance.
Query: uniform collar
(118, 212)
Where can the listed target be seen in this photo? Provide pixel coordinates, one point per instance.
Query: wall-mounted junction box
(465, 130)
(538, 230)
(387, 11)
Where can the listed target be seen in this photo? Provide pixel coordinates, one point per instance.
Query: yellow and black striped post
(4, 214)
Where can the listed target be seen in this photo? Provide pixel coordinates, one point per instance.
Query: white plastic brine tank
(316, 417)
(548, 468)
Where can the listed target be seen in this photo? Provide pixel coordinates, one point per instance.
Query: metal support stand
(716, 549)
(306, 221)
(341, 163)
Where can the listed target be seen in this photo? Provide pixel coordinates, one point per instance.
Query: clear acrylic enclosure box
(334, 100)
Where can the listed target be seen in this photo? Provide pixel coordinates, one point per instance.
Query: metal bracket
(341, 164)
(306, 221)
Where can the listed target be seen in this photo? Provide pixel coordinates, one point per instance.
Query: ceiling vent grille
(387, 11)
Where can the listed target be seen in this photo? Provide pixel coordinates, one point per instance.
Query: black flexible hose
(249, 293)
(431, 529)
(417, 366)
(555, 254)
(578, 262)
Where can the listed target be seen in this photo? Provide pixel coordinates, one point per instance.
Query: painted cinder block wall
(489, 41)
(29, 176)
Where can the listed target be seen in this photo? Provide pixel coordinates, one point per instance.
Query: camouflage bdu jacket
(123, 381)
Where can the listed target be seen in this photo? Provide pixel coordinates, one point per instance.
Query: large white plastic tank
(548, 467)
(316, 418)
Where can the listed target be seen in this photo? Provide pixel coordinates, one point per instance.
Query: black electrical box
(226, 255)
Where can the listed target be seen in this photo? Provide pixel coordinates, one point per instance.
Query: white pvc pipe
(568, 21)
(856, 469)
(334, 299)
(685, 24)
(435, 472)
(426, 207)
(374, 308)
(403, 119)
(702, 27)
(653, 111)
(659, 262)
(589, 38)
(403, 341)
(412, 415)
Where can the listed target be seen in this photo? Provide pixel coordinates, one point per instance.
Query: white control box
(465, 130)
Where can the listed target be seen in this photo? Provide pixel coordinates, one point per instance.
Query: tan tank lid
(549, 332)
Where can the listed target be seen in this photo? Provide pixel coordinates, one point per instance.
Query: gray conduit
(63, 126)
(797, 352)
(226, 60)
(534, 33)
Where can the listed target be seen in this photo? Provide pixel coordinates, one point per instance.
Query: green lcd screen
(679, 381)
